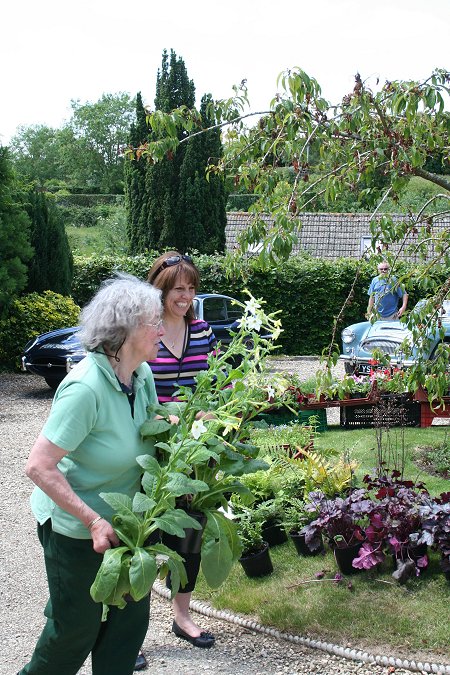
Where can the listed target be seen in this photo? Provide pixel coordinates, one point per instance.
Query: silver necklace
(172, 343)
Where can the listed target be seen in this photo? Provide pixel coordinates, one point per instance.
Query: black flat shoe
(204, 640)
(141, 662)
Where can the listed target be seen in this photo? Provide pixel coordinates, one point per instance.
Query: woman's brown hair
(166, 270)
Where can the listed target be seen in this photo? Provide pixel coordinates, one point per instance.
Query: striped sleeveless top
(170, 373)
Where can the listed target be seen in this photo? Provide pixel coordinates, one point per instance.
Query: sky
(54, 51)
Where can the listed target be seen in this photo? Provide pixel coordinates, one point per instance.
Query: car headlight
(348, 335)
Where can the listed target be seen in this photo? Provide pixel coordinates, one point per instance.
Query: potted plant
(297, 515)
(289, 438)
(202, 457)
(397, 507)
(255, 558)
(341, 521)
(270, 514)
(361, 386)
(435, 515)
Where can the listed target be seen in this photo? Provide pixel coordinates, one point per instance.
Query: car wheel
(52, 383)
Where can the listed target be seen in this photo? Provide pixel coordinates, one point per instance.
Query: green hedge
(309, 292)
(32, 315)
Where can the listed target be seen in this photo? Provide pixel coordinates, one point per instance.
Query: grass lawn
(362, 445)
(376, 613)
(85, 240)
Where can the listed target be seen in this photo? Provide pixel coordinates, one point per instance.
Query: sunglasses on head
(170, 262)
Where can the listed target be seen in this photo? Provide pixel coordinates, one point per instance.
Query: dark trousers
(192, 566)
(74, 628)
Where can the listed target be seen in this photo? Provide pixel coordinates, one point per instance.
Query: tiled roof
(323, 235)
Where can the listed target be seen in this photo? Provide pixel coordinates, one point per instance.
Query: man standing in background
(384, 293)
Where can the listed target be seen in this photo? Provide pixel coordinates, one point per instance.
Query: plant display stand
(427, 414)
(283, 416)
(367, 415)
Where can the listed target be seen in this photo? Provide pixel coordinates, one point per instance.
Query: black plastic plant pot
(345, 556)
(410, 553)
(301, 546)
(274, 534)
(257, 564)
(192, 541)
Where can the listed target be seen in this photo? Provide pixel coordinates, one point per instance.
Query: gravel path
(24, 404)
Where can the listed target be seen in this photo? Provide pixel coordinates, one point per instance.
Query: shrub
(90, 271)
(32, 315)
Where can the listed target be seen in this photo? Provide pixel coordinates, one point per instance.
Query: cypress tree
(176, 207)
(51, 266)
(135, 172)
(173, 89)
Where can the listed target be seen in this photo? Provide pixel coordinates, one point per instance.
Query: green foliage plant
(271, 439)
(202, 456)
(15, 248)
(250, 531)
(298, 514)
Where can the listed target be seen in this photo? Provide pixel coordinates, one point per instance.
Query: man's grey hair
(121, 305)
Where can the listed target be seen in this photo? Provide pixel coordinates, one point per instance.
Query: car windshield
(445, 307)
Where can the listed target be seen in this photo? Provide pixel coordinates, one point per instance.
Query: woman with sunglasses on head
(182, 355)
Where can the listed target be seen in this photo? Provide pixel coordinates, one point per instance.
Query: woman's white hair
(116, 310)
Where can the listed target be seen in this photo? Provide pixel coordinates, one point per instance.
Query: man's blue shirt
(386, 294)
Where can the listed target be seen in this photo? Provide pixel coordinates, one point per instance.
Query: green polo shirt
(91, 420)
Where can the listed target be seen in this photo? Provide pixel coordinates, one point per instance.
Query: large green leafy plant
(200, 460)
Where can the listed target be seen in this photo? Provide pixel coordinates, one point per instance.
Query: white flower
(253, 322)
(251, 306)
(198, 428)
(276, 330)
(270, 392)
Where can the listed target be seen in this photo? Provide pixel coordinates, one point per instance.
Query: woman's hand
(173, 419)
(103, 536)
(42, 468)
(202, 415)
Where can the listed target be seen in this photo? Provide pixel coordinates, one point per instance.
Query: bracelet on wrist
(93, 521)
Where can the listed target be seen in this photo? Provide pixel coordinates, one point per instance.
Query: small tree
(370, 143)
(51, 266)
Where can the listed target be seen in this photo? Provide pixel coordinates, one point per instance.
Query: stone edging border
(345, 652)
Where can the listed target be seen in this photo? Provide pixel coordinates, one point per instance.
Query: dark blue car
(53, 354)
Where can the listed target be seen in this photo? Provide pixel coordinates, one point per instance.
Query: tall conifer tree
(181, 209)
(135, 172)
(51, 266)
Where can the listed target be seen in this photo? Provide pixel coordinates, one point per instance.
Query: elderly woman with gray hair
(89, 445)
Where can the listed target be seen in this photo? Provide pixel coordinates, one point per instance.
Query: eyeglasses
(383, 269)
(170, 262)
(156, 325)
